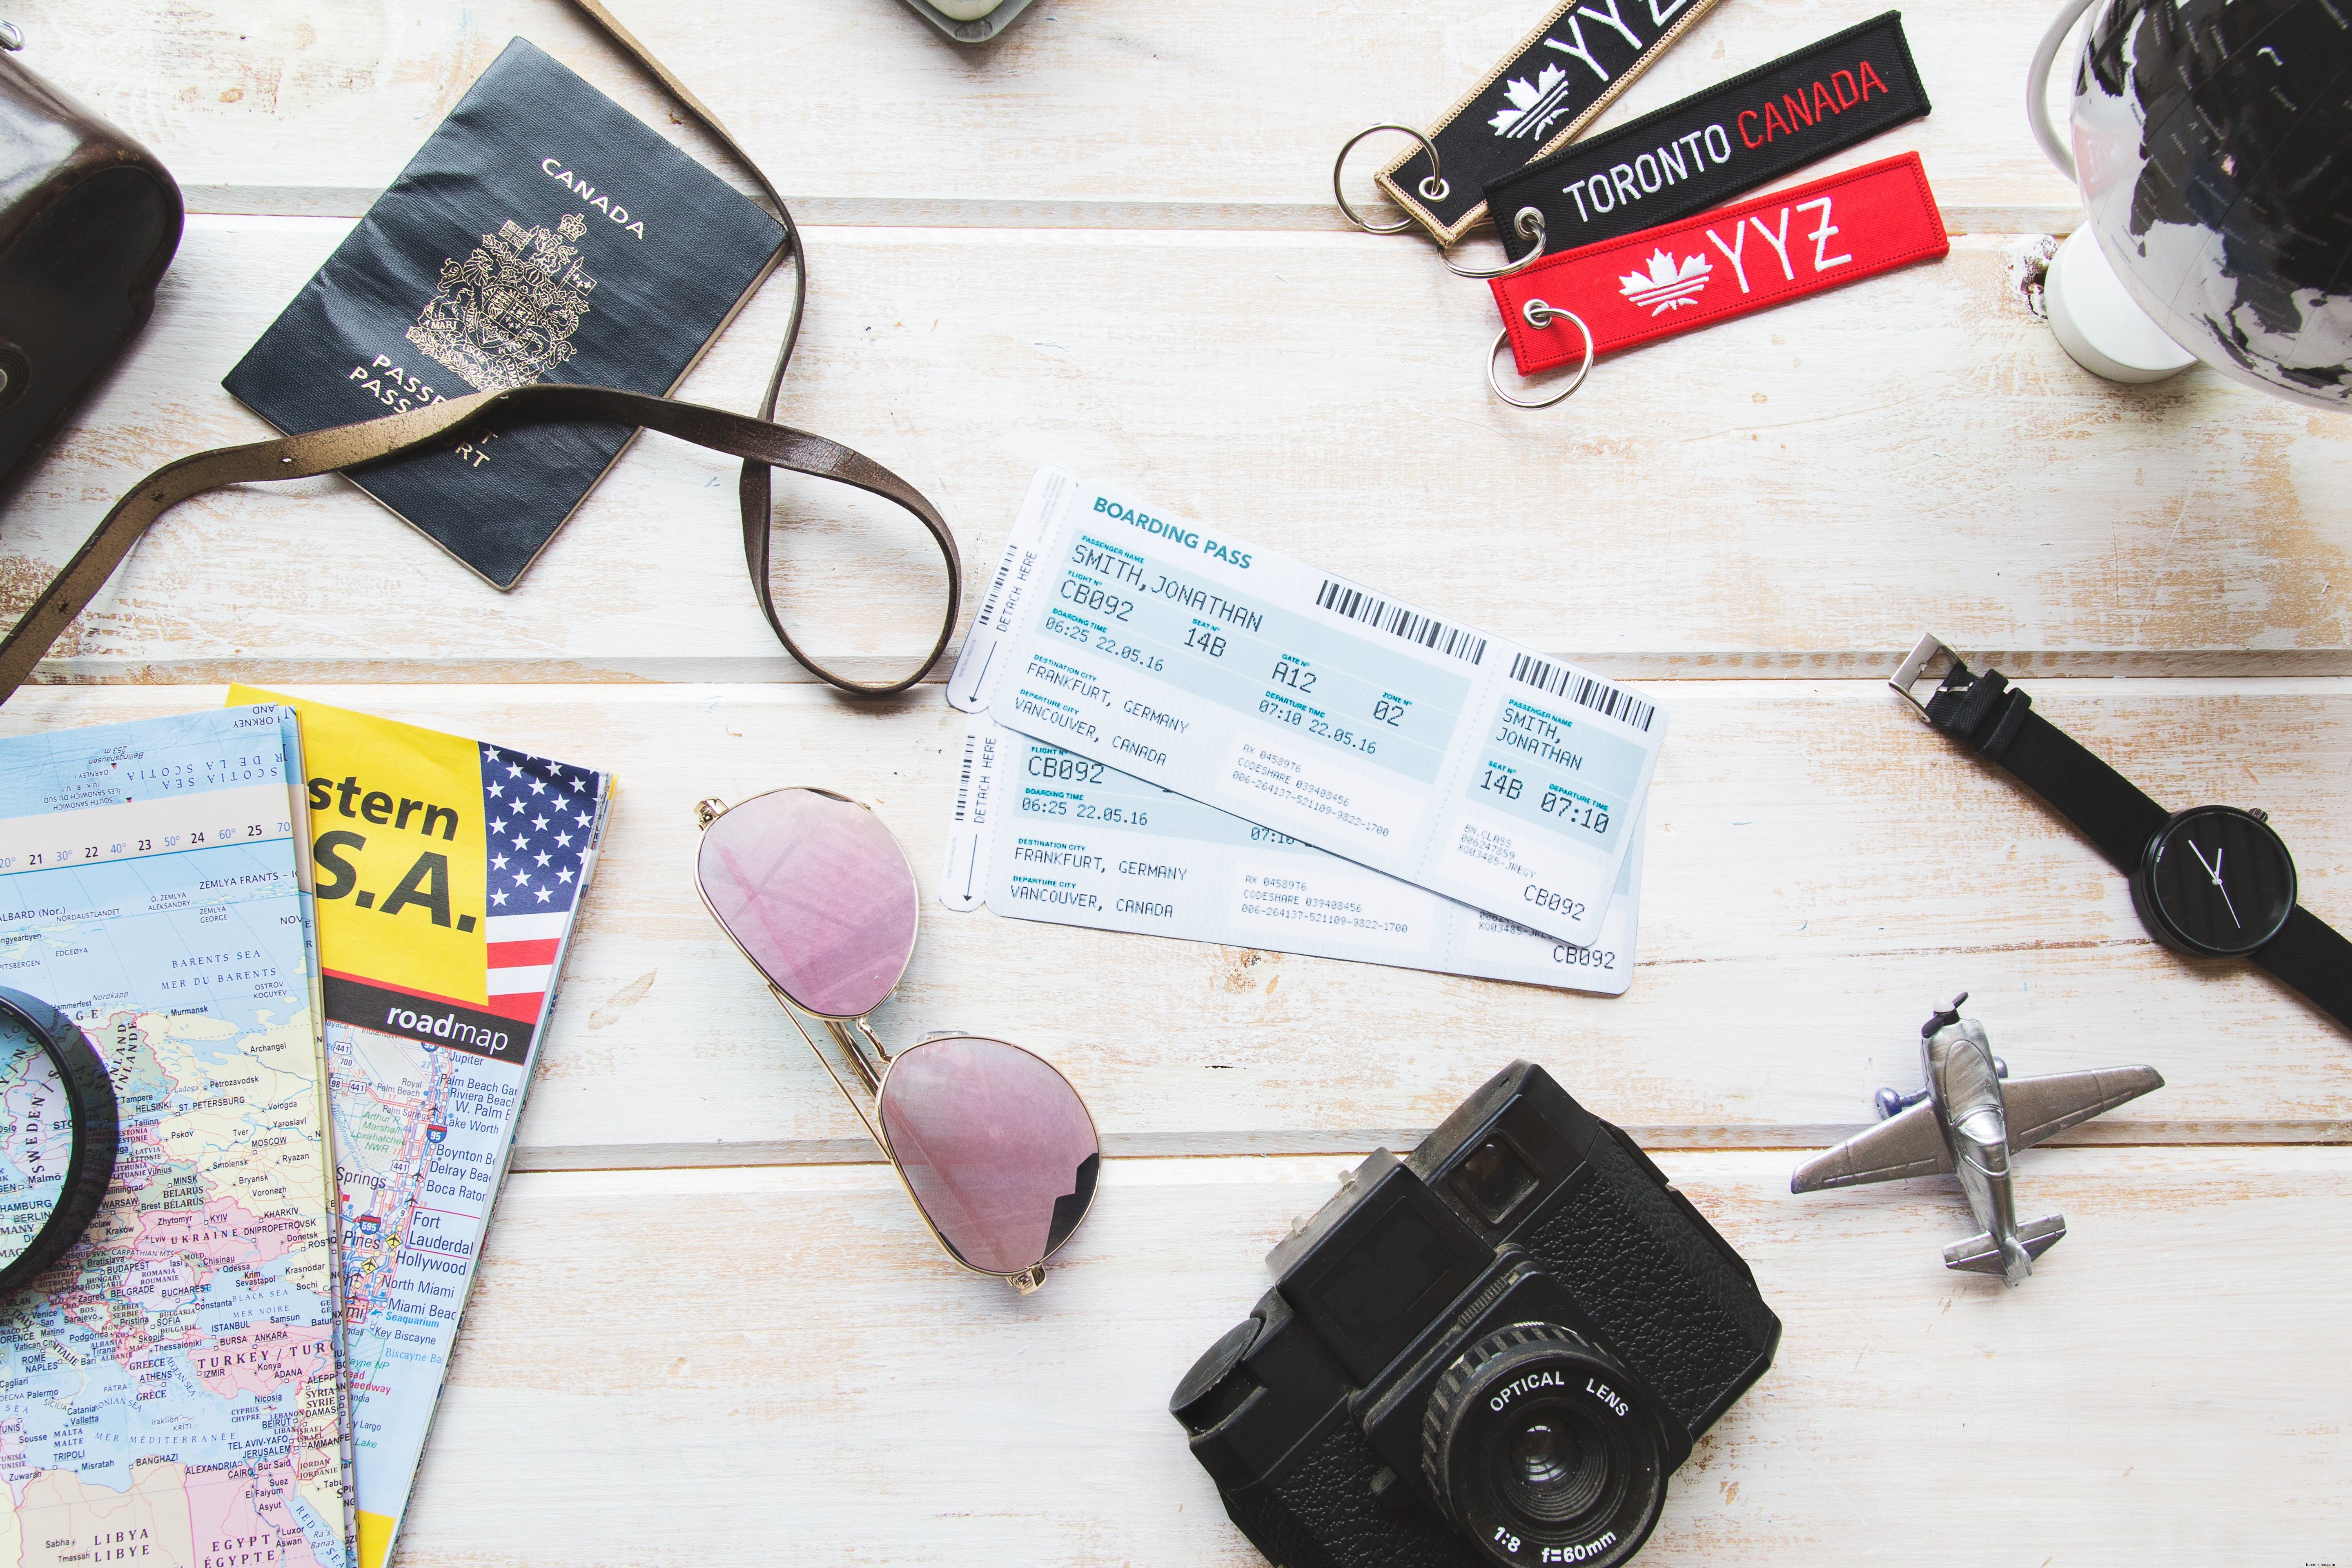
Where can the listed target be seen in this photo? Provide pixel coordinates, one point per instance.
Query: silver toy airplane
(1974, 1117)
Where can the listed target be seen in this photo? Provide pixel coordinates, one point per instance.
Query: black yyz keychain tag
(1568, 71)
(1716, 144)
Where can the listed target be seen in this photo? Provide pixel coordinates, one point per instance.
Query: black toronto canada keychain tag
(1570, 68)
(1715, 146)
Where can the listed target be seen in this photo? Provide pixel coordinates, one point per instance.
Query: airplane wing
(1909, 1144)
(2041, 1108)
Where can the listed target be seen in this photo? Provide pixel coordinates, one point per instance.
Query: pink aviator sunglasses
(994, 1146)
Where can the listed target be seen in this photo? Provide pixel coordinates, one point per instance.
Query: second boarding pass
(1307, 703)
(1040, 834)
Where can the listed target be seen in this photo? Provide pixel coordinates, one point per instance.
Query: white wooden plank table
(709, 1330)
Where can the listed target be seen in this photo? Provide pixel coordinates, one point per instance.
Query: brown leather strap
(761, 443)
(753, 490)
(756, 441)
(627, 40)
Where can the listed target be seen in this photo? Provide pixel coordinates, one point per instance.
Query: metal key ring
(1433, 186)
(1548, 313)
(1531, 225)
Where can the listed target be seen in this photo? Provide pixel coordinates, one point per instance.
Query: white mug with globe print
(2204, 237)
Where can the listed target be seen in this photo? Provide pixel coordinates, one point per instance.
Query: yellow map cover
(449, 872)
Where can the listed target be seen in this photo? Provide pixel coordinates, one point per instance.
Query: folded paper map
(449, 872)
(168, 1390)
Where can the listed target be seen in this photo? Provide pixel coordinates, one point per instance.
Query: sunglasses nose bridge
(847, 1046)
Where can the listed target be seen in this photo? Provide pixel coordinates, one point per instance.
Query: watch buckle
(1918, 663)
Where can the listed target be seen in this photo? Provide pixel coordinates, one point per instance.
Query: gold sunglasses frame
(838, 1031)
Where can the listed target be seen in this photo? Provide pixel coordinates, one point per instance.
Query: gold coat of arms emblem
(504, 316)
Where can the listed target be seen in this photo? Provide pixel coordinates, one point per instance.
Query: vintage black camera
(1493, 1350)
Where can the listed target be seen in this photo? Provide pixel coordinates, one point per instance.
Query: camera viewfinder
(1374, 1267)
(1493, 1181)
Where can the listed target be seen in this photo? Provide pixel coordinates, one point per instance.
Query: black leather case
(88, 221)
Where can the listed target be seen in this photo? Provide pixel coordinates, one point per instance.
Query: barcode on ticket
(996, 585)
(1400, 621)
(1583, 689)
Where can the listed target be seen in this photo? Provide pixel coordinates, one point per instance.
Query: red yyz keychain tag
(1622, 293)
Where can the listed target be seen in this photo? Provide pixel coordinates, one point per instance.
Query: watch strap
(2315, 959)
(1996, 720)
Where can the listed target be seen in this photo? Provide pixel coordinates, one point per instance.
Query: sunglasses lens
(996, 1147)
(818, 892)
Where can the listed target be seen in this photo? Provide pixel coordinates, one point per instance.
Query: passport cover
(542, 233)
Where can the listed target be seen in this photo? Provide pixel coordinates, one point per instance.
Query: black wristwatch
(96, 1135)
(2212, 882)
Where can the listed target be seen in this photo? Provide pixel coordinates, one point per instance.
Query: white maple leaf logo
(1532, 108)
(1666, 287)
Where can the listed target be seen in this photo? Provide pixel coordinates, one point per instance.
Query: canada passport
(542, 233)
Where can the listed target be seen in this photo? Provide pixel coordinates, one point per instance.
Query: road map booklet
(449, 873)
(169, 1390)
(1042, 835)
(1303, 702)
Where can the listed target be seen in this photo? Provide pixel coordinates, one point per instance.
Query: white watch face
(2221, 880)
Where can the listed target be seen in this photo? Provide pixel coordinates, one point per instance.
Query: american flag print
(542, 817)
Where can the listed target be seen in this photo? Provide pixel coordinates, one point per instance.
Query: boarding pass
(1302, 702)
(1040, 834)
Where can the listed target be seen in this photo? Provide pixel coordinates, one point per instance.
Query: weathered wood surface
(739, 1366)
(1107, 242)
(1209, 114)
(1787, 494)
(1822, 869)
(1792, 491)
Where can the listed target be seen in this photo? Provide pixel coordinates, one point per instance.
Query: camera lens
(1541, 1452)
(1553, 1470)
